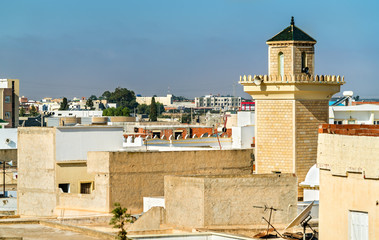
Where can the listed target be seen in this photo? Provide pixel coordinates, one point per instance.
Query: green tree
(106, 94)
(143, 109)
(33, 111)
(119, 219)
(64, 104)
(160, 108)
(89, 103)
(22, 112)
(93, 97)
(120, 111)
(153, 110)
(125, 111)
(122, 96)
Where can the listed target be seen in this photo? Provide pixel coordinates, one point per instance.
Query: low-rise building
(82, 170)
(218, 102)
(9, 101)
(166, 101)
(358, 114)
(349, 179)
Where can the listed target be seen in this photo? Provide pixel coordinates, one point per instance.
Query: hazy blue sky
(78, 48)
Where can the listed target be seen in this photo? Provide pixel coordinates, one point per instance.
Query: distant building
(9, 104)
(247, 106)
(147, 100)
(218, 103)
(358, 114)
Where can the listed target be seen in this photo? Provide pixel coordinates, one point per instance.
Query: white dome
(313, 177)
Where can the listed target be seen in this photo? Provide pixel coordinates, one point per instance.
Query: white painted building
(358, 114)
(243, 135)
(218, 103)
(73, 143)
(166, 101)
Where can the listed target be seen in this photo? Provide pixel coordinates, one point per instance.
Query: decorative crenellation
(301, 78)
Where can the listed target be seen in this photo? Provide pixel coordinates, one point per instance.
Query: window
(376, 122)
(157, 133)
(7, 99)
(351, 122)
(358, 225)
(7, 115)
(303, 61)
(86, 188)
(65, 187)
(338, 122)
(281, 64)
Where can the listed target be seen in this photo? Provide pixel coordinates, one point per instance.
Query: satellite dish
(301, 217)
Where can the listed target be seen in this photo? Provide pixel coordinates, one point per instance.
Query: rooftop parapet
(301, 78)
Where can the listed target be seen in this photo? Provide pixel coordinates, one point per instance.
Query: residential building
(357, 114)
(84, 170)
(349, 179)
(9, 104)
(290, 103)
(218, 102)
(166, 101)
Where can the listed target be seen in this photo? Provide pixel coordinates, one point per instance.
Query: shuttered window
(358, 225)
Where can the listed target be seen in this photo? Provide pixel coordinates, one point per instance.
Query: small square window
(339, 122)
(86, 188)
(65, 187)
(7, 99)
(376, 122)
(7, 115)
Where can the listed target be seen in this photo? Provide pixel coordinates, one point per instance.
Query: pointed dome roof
(292, 33)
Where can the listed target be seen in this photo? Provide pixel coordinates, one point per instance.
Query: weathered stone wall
(274, 135)
(349, 177)
(134, 175)
(309, 115)
(206, 201)
(36, 190)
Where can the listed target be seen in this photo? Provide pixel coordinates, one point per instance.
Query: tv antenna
(266, 208)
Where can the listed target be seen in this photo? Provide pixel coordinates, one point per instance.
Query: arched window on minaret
(303, 61)
(281, 64)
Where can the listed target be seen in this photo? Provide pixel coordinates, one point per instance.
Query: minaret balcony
(302, 86)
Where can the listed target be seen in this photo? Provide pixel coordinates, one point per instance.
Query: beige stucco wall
(349, 179)
(204, 201)
(73, 173)
(36, 190)
(134, 175)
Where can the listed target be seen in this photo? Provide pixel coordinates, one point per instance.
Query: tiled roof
(292, 33)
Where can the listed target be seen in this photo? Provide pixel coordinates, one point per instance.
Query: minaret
(290, 103)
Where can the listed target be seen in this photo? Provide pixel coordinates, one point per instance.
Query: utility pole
(42, 119)
(191, 117)
(3, 195)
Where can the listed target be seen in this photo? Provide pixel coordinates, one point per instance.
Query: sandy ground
(36, 231)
